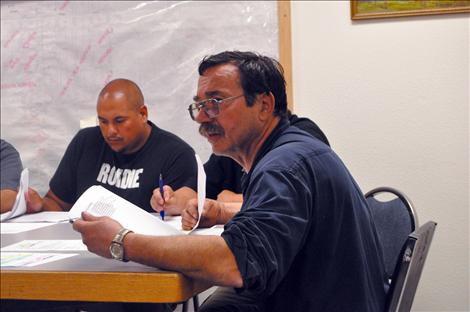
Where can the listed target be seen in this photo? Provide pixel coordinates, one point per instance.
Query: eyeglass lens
(210, 108)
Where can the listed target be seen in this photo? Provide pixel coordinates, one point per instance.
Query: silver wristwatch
(117, 247)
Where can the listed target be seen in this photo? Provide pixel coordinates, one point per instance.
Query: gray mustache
(209, 128)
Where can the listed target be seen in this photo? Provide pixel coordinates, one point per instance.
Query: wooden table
(88, 277)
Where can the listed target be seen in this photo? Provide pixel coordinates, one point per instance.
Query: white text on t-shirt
(121, 178)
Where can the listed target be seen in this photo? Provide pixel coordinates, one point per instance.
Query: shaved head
(123, 88)
(122, 116)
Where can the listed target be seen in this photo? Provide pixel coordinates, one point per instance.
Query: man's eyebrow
(208, 94)
(211, 94)
(114, 118)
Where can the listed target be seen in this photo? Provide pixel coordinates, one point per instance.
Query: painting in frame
(367, 9)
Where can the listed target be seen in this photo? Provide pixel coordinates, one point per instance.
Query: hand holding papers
(98, 201)
(19, 207)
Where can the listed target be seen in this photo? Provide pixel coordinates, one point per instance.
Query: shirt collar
(265, 148)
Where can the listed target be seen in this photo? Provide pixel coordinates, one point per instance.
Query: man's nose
(201, 117)
(112, 129)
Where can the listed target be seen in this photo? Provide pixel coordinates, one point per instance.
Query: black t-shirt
(224, 173)
(89, 161)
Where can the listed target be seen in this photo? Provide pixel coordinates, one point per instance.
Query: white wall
(392, 96)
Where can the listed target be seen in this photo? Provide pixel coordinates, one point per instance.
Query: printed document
(29, 259)
(46, 245)
(43, 216)
(175, 221)
(99, 201)
(12, 228)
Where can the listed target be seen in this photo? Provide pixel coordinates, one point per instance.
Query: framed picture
(366, 9)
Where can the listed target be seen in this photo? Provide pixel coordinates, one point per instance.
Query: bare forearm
(7, 200)
(48, 204)
(229, 196)
(203, 257)
(181, 197)
(53, 203)
(228, 211)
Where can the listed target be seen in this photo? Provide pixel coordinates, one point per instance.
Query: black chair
(394, 220)
(408, 269)
(184, 307)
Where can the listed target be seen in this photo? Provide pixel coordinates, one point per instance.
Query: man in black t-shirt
(125, 154)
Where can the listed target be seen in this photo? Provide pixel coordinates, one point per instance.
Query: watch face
(116, 250)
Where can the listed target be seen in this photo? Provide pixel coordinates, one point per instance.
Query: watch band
(118, 239)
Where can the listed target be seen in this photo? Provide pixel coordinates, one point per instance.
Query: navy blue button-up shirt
(304, 239)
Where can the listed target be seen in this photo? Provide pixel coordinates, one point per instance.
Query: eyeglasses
(209, 106)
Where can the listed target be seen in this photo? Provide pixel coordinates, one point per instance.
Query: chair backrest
(394, 220)
(408, 270)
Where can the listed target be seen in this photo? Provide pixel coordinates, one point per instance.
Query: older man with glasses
(223, 174)
(303, 240)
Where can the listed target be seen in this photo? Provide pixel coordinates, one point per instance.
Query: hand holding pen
(163, 198)
(160, 184)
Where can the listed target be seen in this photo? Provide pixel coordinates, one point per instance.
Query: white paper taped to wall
(57, 56)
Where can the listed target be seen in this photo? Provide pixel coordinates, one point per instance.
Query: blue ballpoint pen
(160, 184)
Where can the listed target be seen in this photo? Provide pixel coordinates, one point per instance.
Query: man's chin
(117, 148)
(218, 150)
(218, 144)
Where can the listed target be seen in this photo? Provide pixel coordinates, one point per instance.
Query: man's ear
(143, 112)
(268, 103)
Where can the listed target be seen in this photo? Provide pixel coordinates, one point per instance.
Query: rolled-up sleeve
(266, 235)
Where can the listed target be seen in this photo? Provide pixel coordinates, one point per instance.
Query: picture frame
(370, 9)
